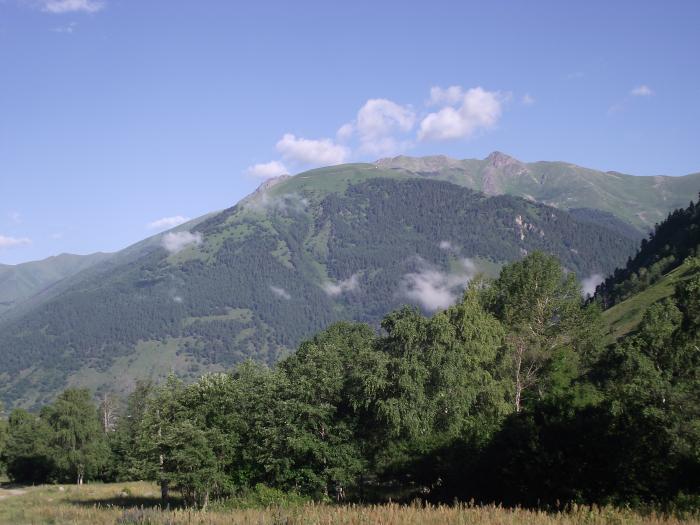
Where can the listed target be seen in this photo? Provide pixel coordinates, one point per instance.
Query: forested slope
(252, 281)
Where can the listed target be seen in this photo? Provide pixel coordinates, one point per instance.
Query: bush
(262, 496)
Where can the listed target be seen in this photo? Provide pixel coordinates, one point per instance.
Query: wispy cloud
(280, 292)
(175, 242)
(350, 284)
(72, 6)
(589, 284)
(642, 91)
(267, 170)
(11, 242)
(67, 29)
(167, 222)
(434, 289)
(15, 217)
(528, 100)
(263, 202)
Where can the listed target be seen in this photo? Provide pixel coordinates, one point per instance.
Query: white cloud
(321, 152)
(434, 289)
(11, 242)
(350, 284)
(445, 97)
(72, 6)
(178, 241)
(377, 122)
(379, 125)
(345, 132)
(280, 292)
(15, 217)
(528, 100)
(267, 170)
(446, 246)
(478, 109)
(589, 284)
(642, 91)
(167, 222)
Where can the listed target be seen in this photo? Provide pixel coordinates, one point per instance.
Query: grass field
(138, 503)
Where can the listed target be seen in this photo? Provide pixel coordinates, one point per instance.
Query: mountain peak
(498, 159)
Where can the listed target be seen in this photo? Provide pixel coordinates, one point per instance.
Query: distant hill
(346, 242)
(22, 281)
(637, 200)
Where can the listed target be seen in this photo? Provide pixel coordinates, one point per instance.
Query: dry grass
(137, 503)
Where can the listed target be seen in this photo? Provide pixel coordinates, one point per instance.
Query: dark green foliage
(28, 455)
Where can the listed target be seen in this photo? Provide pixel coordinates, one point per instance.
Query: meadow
(138, 503)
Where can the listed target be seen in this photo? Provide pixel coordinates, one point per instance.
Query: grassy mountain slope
(349, 242)
(640, 201)
(20, 282)
(625, 316)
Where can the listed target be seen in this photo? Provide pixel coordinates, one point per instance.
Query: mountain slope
(625, 316)
(640, 201)
(348, 242)
(22, 281)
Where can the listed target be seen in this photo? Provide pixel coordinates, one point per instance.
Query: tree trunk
(518, 376)
(164, 489)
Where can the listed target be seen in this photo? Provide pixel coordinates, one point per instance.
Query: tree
(184, 437)
(3, 439)
(128, 461)
(27, 453)
(542, 308)
(77, 441)
(325, 389)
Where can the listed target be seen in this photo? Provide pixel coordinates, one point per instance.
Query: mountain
(22, 281)
(345, 242)
(637, 200)
(348, 242)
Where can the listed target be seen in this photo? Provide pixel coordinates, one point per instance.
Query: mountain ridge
(637, 199)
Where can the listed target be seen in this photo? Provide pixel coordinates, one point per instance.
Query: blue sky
(118, 114)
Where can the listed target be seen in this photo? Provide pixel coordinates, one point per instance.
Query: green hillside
(349, 242)
(640, 201)
(624, 317)
(22, 281)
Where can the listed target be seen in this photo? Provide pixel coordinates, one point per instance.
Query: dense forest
(508, 396)
(258, 283)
